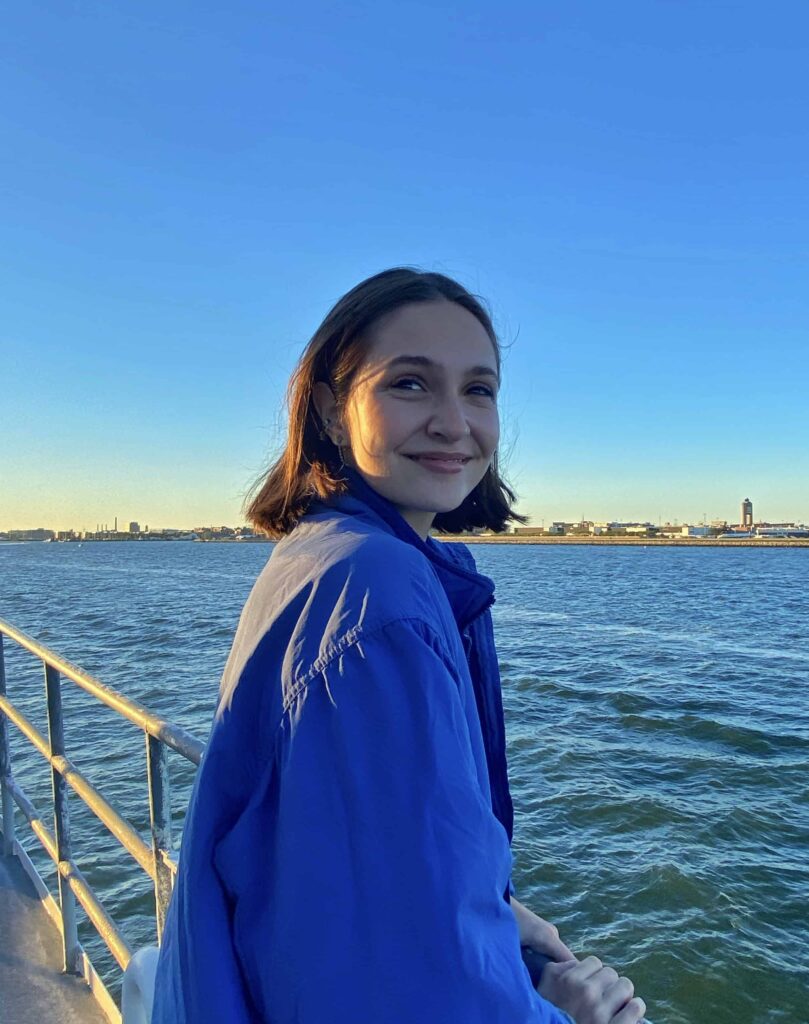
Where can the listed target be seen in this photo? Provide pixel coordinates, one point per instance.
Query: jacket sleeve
(367, 876)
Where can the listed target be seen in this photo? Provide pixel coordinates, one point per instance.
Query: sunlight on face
(422, 414)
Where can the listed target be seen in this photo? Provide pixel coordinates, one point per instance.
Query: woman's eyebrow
(477, 371)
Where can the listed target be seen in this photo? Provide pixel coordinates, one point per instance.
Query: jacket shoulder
(324, 589)
(370, 575)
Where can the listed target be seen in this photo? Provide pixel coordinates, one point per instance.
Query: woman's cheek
(369, 437)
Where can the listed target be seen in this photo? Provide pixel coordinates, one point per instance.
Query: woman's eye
(482, 389)
(407, 383)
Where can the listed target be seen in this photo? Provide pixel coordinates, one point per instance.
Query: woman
(346, 852)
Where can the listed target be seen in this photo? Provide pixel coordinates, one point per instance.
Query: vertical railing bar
(5, 766)
(160, 819)
(61, 818)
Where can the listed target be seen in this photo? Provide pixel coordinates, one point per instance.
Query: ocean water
(657, 705)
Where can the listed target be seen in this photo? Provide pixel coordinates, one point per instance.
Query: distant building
(134, 527)
(616, 529)
(38, 534)
(747, 514)
(685, 531)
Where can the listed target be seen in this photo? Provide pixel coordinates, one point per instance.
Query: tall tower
(747, 514)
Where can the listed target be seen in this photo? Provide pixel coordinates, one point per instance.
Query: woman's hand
(539, 934)
(591, 993)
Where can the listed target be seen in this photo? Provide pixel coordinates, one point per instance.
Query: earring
(322, 432)
(339, 443)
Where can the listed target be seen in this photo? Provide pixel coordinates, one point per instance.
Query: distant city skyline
(619, 185)
(101, 526)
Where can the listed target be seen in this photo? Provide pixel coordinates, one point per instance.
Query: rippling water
(658, 722)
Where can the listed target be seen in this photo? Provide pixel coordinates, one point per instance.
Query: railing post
(5, 766)
(160, 817)
(61, 821)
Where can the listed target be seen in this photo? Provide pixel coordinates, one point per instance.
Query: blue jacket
(344, 860)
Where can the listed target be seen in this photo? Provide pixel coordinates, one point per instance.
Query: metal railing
(155, 858)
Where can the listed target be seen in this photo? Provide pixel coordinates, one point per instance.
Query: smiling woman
(346, 854)
(421, 417)
(405, 364)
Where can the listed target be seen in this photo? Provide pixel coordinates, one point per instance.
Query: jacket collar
(469, 592)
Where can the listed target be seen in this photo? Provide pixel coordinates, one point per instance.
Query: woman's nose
(448, 420)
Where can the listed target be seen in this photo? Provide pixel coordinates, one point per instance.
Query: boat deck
(33, 989)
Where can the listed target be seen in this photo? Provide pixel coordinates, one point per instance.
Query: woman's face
(421, 417)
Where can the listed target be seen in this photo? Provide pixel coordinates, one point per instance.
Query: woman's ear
(325, 404)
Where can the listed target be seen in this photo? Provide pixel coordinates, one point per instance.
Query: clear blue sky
(187, 187)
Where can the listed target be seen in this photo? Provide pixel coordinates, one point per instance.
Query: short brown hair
(309, 466)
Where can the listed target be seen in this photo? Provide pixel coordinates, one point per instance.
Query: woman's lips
(437, 464)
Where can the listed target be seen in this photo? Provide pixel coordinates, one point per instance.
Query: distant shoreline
(646, 542)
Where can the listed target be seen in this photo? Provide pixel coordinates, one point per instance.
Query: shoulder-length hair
(309, 466)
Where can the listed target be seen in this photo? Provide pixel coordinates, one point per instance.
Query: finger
(634, 1010)
(550, 976)
(561, 951)
(605, 978)
(561, 968)
(589, 966)
(616, 996)
(581, 972)
(552, 946)
(544, 937)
